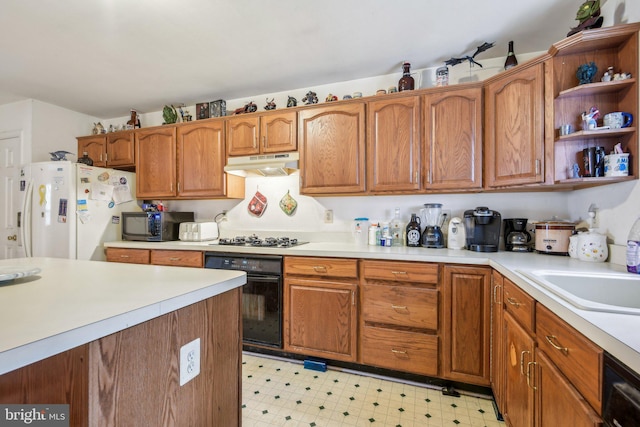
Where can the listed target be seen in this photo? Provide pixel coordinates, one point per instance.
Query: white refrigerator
(70, 209)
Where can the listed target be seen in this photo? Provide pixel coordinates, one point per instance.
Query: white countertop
(72, 302)
(616, 333)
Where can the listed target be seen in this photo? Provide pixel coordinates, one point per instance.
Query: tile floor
(278, 392)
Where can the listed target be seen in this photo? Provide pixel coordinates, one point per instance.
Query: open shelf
(597, 88)
(592, 134)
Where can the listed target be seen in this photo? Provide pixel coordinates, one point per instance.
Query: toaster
(198, 231)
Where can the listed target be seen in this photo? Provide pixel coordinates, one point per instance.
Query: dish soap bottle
(396, 229)
(633, 248)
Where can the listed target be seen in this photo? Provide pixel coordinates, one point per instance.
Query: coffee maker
(516, 236)
(482, 226)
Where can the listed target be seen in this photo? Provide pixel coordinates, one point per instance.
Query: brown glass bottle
(406, 81)
(85, 159)
(511, 60)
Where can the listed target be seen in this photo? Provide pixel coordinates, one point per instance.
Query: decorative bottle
(406, 81)
(85, 159)
(396, 229)
(413, 231)
(511, 60)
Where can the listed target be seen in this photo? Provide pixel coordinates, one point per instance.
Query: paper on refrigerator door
(101, 191)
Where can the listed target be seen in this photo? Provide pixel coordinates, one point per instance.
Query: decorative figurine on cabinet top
(291, 101)
(169, 115)
(310, 98)
(589, 16)
(483, 47)
(98, 129)
(251, 107)
(330, 98)
(271, 105)
(586, 73)
(60, 155)
(134, 122)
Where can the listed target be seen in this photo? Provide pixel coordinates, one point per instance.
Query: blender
(432, 236)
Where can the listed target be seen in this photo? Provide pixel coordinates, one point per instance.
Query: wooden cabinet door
(466, 324)
(519, 352)
(120, 149)
(242, 135)
(332, 149)
(498, 367)
(320, 318)
(393, 144)
(279, 132)
(201, 159)
(95, 147)
(514, 128)
(453, 139)
(156, 162)
(557, 402)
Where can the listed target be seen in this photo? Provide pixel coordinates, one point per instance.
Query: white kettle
(456, 236)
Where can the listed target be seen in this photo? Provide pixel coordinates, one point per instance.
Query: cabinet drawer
(519, 304)
(399, 350)
(577, 357)
(401, 306)
(401, 271)
(177, 258)
(132, 256)
(321, 267)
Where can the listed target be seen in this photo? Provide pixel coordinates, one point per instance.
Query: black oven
(621, 394)
(261, 296)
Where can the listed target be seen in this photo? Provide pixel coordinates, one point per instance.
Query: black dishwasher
(621, 394)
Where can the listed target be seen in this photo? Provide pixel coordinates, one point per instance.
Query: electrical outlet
(189, 361)
(328, 216)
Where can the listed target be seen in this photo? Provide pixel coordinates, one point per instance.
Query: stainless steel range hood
(277, 164)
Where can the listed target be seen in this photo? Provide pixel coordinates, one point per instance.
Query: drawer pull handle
(522, 353)
(399, 352)
(513, 302)
(124, 256)
(319, 268)
(399, 307)
(529, 375)
(398, 273)
(551, 340)
(174, 259)
(495, 294)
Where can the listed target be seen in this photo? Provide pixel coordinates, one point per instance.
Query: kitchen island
(105, 338)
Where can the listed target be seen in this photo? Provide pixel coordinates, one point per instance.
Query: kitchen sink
(609, 292)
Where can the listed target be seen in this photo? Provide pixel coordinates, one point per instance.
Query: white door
(10, 196)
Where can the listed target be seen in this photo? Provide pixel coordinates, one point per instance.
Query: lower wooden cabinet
(497, 370)
(399, 316)
(558, 403)
(519, 354)
(466, 321)
(320, 307)
(156, 257)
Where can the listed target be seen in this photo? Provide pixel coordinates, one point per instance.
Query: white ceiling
(103, 57)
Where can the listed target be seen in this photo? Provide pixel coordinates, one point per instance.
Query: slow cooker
(552, 237)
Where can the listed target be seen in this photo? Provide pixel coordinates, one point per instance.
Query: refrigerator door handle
(25, 230)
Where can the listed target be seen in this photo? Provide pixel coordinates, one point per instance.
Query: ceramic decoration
(310, 98)
(592, 247)
(586, 73)
(271, 105)
(291, 101)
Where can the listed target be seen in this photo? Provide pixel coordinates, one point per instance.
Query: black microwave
(153, 226)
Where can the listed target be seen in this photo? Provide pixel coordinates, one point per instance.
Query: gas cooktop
(253, 240)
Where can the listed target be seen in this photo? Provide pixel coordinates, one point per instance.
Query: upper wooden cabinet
(113, 150)
(201, 159)
(156, 163)
(452, 122)
(393, 144)
(332, 149)
(96, 148)
(615, 47)
(514, 127)
(265, 133)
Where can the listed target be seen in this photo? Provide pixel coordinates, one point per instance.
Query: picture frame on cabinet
(202, 111)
